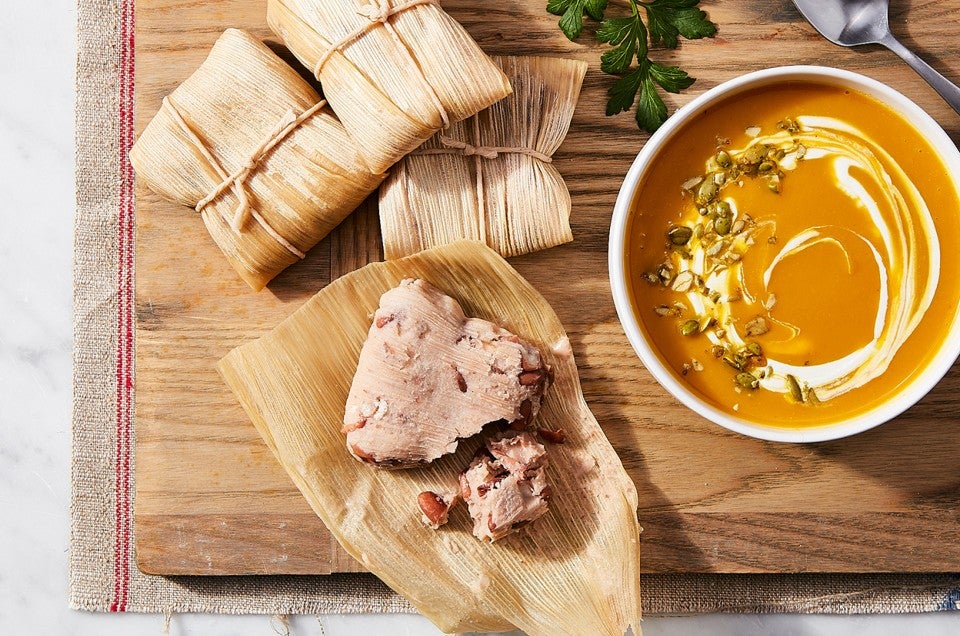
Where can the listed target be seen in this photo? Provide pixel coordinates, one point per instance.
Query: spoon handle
(947, 89)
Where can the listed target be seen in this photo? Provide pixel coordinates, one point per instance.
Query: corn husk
(520, 203)
(302, 188)
(573, 571)
(381, 89)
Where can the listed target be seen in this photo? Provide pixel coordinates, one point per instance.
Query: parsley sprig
(631, 38)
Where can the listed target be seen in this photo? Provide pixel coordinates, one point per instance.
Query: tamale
(490, 178)
(573, 571)
(249, 143)
(394, 71)
(505, 487)
(428, 376)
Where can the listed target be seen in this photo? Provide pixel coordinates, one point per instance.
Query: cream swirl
(905, 249)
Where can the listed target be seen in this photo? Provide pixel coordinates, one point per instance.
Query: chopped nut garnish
(683, 282)
(756, 326)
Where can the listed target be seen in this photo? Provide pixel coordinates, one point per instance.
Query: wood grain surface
(212, 500)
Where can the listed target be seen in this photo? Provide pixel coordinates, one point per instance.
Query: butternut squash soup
(793, 254)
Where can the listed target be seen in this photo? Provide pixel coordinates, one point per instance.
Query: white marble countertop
(36, 214)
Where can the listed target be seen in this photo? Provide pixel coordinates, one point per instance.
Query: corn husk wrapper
(573, 571)
(303, 187)
(433, 199)
(381, 90)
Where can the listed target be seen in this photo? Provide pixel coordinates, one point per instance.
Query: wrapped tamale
(394, 71)
(574, 570)
(490, 178)
(247, 142)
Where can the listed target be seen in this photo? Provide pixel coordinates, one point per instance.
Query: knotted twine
(236, 181)
(380, 12)
(479, 153)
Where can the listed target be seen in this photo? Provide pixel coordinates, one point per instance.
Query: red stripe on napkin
(125, 307)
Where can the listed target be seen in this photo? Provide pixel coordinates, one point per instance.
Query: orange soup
(794, 254)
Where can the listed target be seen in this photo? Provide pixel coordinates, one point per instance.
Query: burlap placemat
(103, 575)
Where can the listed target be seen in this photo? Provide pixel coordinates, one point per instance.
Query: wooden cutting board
(212, 500)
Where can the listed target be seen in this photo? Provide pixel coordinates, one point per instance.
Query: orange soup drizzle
(820, 301)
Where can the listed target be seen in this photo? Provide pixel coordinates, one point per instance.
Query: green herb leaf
(661, 29)
(693, 24)
(595, 8)
(672, 79)
(669, 18)
(624, 92)
(631, 38)
(571, 12)
(651, 111)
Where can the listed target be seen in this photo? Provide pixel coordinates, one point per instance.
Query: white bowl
(922, 382)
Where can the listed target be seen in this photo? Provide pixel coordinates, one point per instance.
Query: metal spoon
(853, 22)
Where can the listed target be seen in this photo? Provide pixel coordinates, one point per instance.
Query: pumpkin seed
(790, 125)
(689, 327)
(722, 225)
(754, 348)
(733, 362)
(723, 159)
(753, 155)
(707, 192)
(766, 167)
(796, 394)
(666, 310)
(747, 381)
(680, 235)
